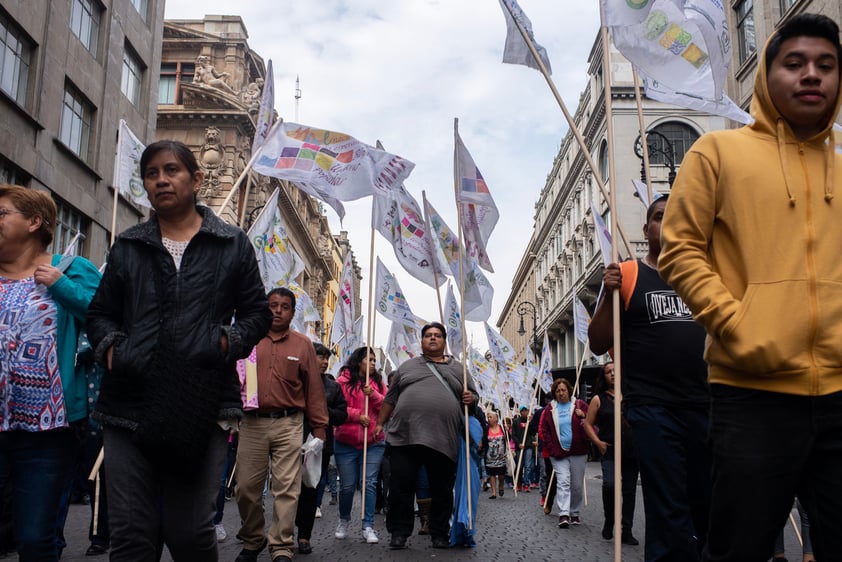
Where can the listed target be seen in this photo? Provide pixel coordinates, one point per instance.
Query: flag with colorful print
(581, 319)
(516, 51)
(478, 210)
(603, 235)
(545, 374)
(352, 339)
(480, 368)
(343, 317)
(477, 292)
(404, 343)
(127, 179)
(398, 217)
(305, 311)
(501, 350)
(329, 162)
(279, 264)
(390, 300)
(676, 46)
(453, 321)
(266, 113)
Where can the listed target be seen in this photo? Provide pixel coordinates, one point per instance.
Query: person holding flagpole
(424, 407)
(664, 396)
(752, 245)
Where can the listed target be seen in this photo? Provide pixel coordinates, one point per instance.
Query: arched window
(680, 136)
(603, 160)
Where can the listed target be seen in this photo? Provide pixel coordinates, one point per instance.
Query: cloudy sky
(400, 71)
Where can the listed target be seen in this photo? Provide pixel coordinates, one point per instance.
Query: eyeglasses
(4, 212)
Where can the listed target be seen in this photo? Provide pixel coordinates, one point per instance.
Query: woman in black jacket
(161, 322)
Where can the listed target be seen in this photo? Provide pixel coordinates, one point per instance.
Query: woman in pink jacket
(350, 436)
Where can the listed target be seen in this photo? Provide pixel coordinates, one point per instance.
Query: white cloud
(400, 72)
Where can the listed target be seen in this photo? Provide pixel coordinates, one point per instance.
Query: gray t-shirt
(426, 413)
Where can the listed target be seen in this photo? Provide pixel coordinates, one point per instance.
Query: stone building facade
(71, 70)
(208, 98)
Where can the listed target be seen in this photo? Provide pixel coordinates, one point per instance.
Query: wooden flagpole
(369, 339)
(644, 147)
(575, 130)
(245, 201)
(615, 298)
(580, 365)
(462, 307)
(523, 440)
(433, 257)
(117, 186)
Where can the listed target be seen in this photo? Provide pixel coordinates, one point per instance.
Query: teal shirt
(72, 294)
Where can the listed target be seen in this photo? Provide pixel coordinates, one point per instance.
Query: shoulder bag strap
(435, 371)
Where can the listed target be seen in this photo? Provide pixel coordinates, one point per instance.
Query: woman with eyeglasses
(43, 301)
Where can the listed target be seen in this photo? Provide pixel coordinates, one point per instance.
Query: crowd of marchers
(178, 365)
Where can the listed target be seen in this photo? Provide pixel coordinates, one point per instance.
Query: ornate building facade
(562, 261)
(208, 98)
(70, 71)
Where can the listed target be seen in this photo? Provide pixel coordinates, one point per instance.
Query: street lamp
(523, 309)
(657, 143)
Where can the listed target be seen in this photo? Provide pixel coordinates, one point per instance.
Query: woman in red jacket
(564, 439)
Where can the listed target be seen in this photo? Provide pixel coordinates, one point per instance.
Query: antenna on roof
(297, 96)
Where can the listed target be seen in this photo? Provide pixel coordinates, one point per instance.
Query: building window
(11, 174)
(745, 29)
(132, 76)
(786, 5)
(173, 75)
(68, 225)
(14, 61)
(142, 7)
(76, 119)
(680, 136)
(603, 161)
(84, 21)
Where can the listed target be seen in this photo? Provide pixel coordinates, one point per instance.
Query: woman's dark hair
(321, 349)
(437, 325)
(651, 209)
(352, 364)
(804, 25)
(600, 385)
(179, 150)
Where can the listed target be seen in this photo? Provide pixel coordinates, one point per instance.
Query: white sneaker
(370, 536)
(221, 535)
(318, 513)
(341, 529)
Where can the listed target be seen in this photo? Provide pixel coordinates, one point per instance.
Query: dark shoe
(574, 520)
(249, 555)
(492, 497)
(628, 538)
(607, 531)
(397, 542)
(96, 550)
(500, 492)
(563, 521)
(439, 542)
(304, 547)
(282, 558)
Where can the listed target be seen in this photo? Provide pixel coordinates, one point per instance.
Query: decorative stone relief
(251, 95)
(211, 159)
(207, 75)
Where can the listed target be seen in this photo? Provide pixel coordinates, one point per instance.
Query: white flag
(453, 321)
(642, 192)
(581, 319)
(72, 248)
(404, 343)
(390, 299)
(477, 292)
(331, 163)
(501, 350)
(305, 311)
(603, 235)
(478, 210)
(266, 113)
(545, 373)
(724, 107)
(516, 51)
(343, 318)
(677, 45)
(127, 179)
(397, 216)
(278, 262)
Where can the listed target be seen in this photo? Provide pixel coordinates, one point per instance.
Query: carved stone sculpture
(207, 75)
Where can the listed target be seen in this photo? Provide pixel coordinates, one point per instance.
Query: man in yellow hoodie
(752, 242)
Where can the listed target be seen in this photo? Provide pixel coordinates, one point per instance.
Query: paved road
(508, 529)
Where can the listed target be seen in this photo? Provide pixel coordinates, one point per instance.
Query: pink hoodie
(351, 432)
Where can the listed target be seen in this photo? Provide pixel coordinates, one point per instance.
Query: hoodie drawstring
(830, 156)
(781, 138)
(829, 150)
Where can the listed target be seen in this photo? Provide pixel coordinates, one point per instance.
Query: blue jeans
(674, 461)
(349, 462)
(40, 464)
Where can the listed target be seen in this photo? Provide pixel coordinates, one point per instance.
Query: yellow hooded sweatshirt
(752, 242)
